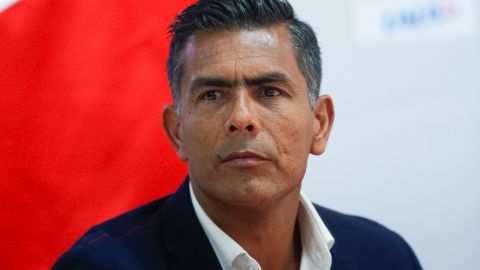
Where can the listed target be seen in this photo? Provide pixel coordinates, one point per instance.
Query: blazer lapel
(183, 234)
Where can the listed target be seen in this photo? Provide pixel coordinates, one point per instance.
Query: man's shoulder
(134, 220)
(366, 243)
(163, 234)
(341, 224)
(124, 238)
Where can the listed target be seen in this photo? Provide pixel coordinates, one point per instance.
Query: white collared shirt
(315, 237)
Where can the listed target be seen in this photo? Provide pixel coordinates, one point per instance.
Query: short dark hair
(217, 15)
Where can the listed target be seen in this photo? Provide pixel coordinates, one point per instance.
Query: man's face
(245, 124)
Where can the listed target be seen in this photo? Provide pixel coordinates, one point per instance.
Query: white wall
(4, 4)
(405, 149)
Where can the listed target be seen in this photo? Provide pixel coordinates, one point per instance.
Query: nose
(242, 120)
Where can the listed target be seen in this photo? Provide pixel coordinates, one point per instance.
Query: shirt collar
(315, 237)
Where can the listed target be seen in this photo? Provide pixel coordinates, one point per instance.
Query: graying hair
(217, 15)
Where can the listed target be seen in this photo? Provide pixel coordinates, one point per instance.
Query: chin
(252, 193)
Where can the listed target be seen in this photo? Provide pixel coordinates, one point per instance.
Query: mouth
(244, 159)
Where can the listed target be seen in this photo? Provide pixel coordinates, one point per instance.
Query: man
(245, 77)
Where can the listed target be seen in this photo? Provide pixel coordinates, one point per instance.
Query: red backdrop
(82, 86)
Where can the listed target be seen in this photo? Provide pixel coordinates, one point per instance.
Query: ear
(171, 126)
(324, 115)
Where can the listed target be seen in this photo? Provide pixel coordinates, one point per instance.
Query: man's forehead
(240, 57)
(203, 45)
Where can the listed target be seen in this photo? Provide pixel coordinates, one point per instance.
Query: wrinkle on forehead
(235, 60)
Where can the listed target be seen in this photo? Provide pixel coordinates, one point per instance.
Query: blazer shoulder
(367, 241)
(119, 242)
(97, 250)
(349, 225)
(134, 220)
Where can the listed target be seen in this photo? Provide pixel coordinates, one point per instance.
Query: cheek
(200, 136)
(293, 137)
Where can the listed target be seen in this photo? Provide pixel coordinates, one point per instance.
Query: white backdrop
(405, 148)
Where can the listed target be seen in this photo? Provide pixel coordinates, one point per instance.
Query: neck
(268, 232)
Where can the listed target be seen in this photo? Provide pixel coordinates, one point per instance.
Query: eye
(270, 92)
(210, 95)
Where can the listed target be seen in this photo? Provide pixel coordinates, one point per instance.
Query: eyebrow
(272, 77)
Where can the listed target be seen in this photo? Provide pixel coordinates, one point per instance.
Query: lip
(244, 159)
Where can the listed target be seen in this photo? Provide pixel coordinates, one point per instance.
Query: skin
(246, 128)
